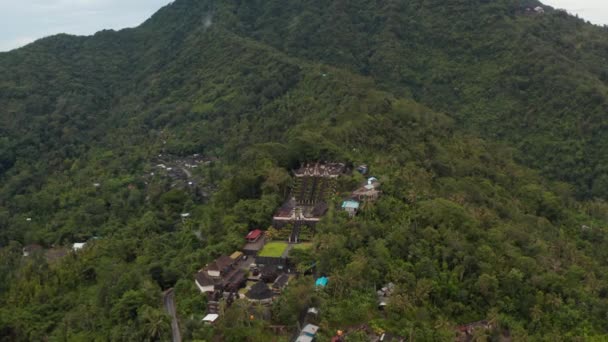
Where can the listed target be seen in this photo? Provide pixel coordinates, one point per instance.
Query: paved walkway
(287, 250)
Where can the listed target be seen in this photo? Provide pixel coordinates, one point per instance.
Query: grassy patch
(306, 245)
(273, 249)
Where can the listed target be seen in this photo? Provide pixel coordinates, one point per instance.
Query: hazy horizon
(28, 20)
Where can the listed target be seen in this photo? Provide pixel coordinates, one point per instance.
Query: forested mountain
(485, 121)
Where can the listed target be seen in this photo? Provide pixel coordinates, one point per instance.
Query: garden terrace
(273, 249)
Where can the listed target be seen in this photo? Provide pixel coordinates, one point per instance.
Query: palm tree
(155, 322)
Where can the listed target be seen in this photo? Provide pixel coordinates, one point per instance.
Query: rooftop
(350, 205)
(304, 338)
(281, 281)
(254, 234)
(236, 255)
(203, 279)
(310, 330)
(259, 291)
(220, 263)
(78, 246)
(211, 318)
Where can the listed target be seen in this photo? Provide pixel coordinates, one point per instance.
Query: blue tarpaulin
(322, 281)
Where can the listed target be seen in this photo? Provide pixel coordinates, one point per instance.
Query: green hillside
(485, 123)
(538, 82)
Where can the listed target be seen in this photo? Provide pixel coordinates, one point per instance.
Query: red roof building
(253, 235)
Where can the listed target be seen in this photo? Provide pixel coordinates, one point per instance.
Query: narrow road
(187, 172)
(169, 301)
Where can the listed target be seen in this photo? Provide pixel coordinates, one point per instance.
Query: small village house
(255, 242)
(221, 275)
(220, 266)
(367, 193)
(254, 235)
(351, 207)
(205, 283)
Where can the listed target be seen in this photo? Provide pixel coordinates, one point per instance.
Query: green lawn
(305, 245)
(273, 249)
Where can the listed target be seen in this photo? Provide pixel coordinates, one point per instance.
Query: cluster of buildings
(224, 274)
(180, 171)
(237, 276)
(368, 192)
(252, 274)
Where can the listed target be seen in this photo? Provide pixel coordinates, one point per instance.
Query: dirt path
(169, 301)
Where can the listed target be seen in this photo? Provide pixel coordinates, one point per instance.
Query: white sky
(595, 11)
(23, 21)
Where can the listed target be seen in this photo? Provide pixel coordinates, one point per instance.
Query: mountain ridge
(463, 230)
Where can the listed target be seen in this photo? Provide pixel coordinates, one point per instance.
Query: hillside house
(351, 207)
(220, 266)
(221, 275)
(205, 283)
(367, 193)
(254, 236)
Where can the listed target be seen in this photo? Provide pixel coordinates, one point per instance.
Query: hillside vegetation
(486, 126)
